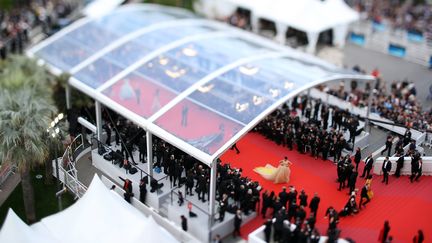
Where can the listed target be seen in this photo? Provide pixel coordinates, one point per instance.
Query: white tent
(309, 16)
(14, 230)
(100, 7)
(99, 216)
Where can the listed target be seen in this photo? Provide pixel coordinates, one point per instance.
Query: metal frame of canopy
(221, 30)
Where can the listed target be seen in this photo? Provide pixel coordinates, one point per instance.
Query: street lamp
(54, 131)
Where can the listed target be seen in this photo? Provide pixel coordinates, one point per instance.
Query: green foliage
(6, 4)
(24, 118)
(18, 72)
(188, 4)
(46, 202)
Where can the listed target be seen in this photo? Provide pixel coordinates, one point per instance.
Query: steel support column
(149, 144)
(68, 96)
(212, 191)
(98, 107)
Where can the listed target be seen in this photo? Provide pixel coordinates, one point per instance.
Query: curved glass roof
(198, 84)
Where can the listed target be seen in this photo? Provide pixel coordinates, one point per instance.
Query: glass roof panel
(248, 90)
(186, 119)
(63, 54)
(130, 52)
(98, 72)
(93, 36)
(139, 95)
(183, 66)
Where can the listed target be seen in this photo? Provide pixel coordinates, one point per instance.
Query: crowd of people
(413, 16)
(16, 23)
(234, 191)
(289, 221)
(399, 104)
(312, 131)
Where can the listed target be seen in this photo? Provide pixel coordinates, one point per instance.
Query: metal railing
(68, 173)
(6, 171)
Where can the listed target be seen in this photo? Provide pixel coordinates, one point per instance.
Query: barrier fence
(410, 45)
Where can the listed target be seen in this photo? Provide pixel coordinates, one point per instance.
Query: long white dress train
(281, 174)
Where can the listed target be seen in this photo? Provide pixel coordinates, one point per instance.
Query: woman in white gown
(281, 174)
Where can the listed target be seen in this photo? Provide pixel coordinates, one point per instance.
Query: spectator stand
(418, 136)
(402, 43)
(406, 169)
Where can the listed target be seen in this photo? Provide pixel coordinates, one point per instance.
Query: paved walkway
(8, 187)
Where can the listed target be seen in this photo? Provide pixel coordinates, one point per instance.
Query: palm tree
(25, 112)
(23, 119)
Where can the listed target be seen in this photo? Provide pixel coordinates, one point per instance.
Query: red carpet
(408, 207)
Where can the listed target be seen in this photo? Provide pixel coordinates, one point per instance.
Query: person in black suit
(388, 145)
(266, 203)
(237, 223)
(292, 195)
(364, 195)
(178, 170)
(314, 203)
(419, 170)
(357, 158)
(283, 197)
(415, 166)
(142, 147)
(368, 166)
(303, 198)
(143, 190)
(399, 164)
(386, 168)
(189, 183)
(352, 180)
(268, 229)
(184, 223)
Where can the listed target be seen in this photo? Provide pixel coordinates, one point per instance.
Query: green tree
(24, 117)
(26, 109)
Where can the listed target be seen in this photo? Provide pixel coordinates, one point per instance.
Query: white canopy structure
(223, 77)
(99, 216)
(98, 8)
(309, 16)
(198, 84)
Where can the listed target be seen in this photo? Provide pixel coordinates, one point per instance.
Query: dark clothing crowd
(233, 191)
(312, 136)
(16, 23)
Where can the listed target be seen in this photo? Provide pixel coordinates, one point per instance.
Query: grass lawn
(46, 202)
(181, 3)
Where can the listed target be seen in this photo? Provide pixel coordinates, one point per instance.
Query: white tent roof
(14, 230)
(99, 216)
(135, 62)
(305, 15)
(100, 7)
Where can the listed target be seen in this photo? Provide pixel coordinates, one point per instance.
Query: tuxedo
(313, 204)
(283, 197)
(368, 166)
(399, 166)
(386, 168)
